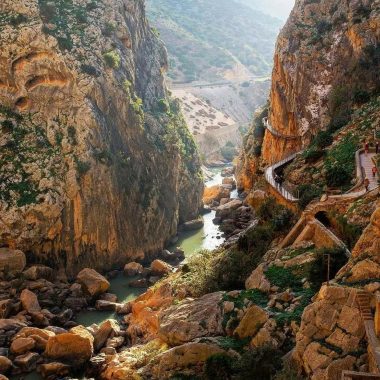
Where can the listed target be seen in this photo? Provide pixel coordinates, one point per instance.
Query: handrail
(269, 176)
(277, 133)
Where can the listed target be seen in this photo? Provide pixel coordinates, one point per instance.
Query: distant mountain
(277, 8)
(209, 42)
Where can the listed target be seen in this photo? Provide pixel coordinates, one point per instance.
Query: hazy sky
(278, 8)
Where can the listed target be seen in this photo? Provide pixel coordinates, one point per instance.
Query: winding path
(364, 164)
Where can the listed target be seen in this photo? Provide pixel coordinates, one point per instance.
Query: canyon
(118, 260)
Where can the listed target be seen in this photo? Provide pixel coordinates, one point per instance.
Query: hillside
(207, 42)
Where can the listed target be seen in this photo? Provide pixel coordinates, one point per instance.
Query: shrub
(307, 193)
(257, 150)
(65, 43)
(90, 70)
(163, 105)
(104, 156)
(282, 277)
(218, 366)
(7, 125)
(318, 270)
(349, 233)
(82, 166)
(112, 59)
(361, 96)
(228, 152)
(261, 363)
(340, 162)
(323, 27)
(109, 29)
(313, 154)
(72, 135)
(259, 131)
(323, 139)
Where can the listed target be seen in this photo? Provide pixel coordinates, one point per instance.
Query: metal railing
(269, 176)
(277, 133)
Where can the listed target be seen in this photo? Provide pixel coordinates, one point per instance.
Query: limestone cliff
(97, 164)
(326, 61)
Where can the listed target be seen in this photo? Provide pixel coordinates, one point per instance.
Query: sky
(277, 8)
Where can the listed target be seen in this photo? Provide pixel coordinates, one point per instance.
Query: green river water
(208, 237)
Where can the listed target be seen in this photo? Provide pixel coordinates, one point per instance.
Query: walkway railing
(269, 176)
(276, 133)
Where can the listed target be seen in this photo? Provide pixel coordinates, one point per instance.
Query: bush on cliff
(308, 193)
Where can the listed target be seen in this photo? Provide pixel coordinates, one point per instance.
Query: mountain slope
(204, 41)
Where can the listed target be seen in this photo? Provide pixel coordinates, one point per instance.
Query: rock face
(89, 150)
(325, 57)
(313, 61)
(192, 319)
(331, 329)
(12, 260)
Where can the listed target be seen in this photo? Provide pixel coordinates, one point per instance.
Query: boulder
(37, 272)
(54, 370)
(226, 210)
(93, 282)
(107, 329)
(256, 198)
(108, 297)
(5, 364)
(215, 193)
(364, 270)
(20, 346)
(229, 181)
(257, 279)
(29, 301)
(105, 305)
(12, 260)
(11, 324)
(75, 346)
(192, 225)
(5, 308)
(133, 269)
(177, 359)
(160, 268)
(27, 362)
(253, 319)
(192, 319)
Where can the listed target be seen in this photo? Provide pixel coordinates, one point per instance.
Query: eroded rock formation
(93, 172)
(326, 60)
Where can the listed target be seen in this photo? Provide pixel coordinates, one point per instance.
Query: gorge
(123, 257)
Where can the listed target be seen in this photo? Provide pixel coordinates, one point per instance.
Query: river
(208, 237)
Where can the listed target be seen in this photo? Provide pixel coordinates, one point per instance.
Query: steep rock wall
(93, 171)
(326, 60)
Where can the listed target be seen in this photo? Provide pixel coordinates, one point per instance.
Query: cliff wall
(326, 62)
(94, 170)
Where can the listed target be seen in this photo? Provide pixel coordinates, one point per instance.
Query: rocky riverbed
(53, 327)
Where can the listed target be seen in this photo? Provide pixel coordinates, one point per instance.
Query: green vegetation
(112, 59)
(340, 162)
(11, 18)
(26, 146)
(219, 367)
(349, 233)
(307, 193)
(229, 151)
(200, 49)
(63, 19)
